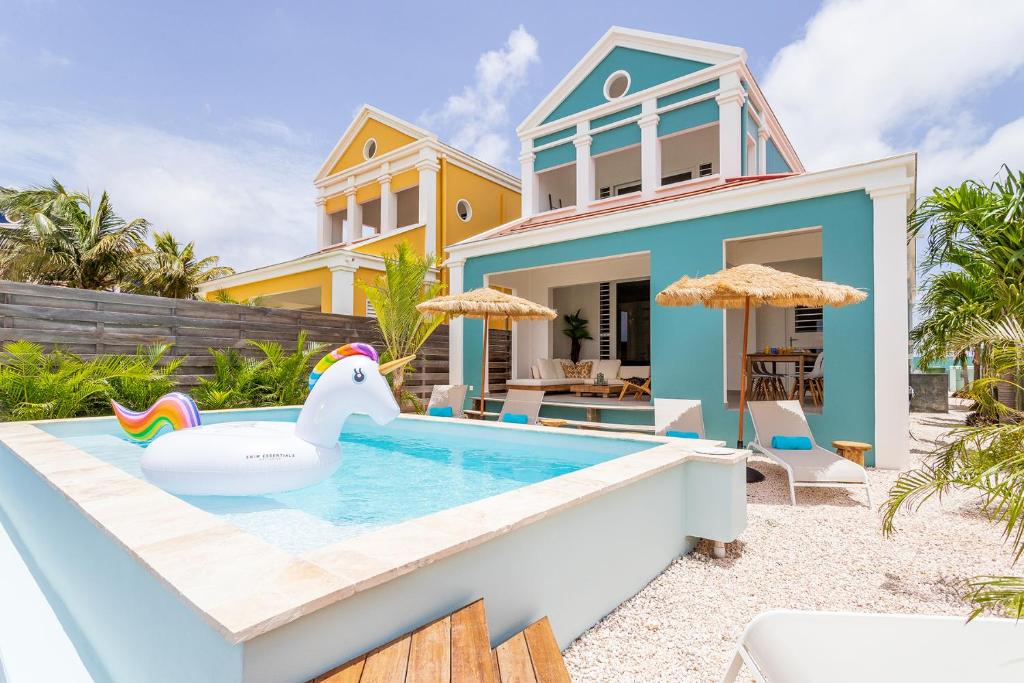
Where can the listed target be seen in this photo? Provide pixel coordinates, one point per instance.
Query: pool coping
(248, 587)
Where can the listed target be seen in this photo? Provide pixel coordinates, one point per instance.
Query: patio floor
(827, 552)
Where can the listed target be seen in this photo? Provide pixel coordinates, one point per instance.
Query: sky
(211, 118)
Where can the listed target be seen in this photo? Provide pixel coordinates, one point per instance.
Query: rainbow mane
(174, 411)
(354, 349)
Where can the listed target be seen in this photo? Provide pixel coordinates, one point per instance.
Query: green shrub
(279, 378)
(38, 385)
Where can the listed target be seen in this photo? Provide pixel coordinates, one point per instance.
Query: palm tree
(986, 458)
(394, 297)
(59, 237)
(975, 234)
(172, 270)
(576, 331)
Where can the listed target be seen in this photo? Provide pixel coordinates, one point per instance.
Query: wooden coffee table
(596, 389)
(852, 450)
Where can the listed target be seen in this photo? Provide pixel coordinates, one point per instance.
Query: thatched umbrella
(484, 303)
(752, 285)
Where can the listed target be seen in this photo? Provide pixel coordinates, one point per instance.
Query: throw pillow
(683, 435)
(515, 418)
(791, 443)
(440, 411)
(579, 370)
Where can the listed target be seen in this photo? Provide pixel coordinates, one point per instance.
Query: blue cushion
(683, 435)
(515, 418)
(440, 411)
(792, 443)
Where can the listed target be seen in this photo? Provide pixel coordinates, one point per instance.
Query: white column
(762, 151)
(387, 203)
(528, 178)
(323, 224)
(428, 168)
(455, 325)
(342, 288)
(730, 131)
(650, 150)
(891, 326)
(584, 167)
(353, 215)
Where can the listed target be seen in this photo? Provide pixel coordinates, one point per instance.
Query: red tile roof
(628, 203)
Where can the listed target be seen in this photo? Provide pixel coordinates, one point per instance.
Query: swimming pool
(424, 517)
(388, 474)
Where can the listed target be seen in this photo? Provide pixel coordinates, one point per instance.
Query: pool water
(404, 470)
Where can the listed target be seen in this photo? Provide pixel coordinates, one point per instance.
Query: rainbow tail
(170, 411)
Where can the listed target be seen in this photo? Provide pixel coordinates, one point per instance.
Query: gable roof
(616, 36)
(367, 112)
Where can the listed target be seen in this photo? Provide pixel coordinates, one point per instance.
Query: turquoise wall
(687, 117)
(773, 159)
(557, 135)
(646, 69)
(554, 156)
(615, 116)
(616, 138)
(686, 348)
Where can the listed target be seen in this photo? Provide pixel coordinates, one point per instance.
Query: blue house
(657, 157)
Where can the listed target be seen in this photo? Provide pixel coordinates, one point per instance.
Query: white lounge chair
(678, 415)
(789, 646)
(522, 402)
(445, 395)
(815, 467)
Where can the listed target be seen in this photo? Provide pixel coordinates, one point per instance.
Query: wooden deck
(457, 649)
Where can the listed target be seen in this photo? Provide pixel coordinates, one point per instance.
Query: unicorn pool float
(257, 458)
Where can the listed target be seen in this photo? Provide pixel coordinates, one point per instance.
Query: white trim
(746, 196)
(608, 82)
(455, 325)
(366, 148)
(891, 324)
(367, 112)
(469, 210)
(778, 134)
(334, 258)
(325, 180)
(616, 36)
(631, 100)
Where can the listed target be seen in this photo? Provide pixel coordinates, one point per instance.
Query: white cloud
(51, 59)
(875, 77)
(249, 201)
(477, 118)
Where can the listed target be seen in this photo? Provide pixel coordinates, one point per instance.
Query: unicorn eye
(358, 377)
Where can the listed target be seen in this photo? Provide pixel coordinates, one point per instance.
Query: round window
(617, 85)
(463, 209)
(370, 148)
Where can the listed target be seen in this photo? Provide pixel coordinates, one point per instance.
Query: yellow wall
(387, 138)
(367, 276)
(318, 277)
(492, 204)
(338, 202)
(387, 245)
(405, 180)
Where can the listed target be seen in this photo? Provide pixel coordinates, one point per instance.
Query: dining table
(801, 358)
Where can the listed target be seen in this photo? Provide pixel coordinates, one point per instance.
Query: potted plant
(576, 331)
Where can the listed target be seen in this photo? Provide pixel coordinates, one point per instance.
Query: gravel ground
(826, 553)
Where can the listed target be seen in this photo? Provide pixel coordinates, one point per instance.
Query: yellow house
(386, 181)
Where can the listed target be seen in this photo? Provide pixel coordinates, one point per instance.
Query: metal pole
(483, 366)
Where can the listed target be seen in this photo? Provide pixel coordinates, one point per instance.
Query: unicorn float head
(258, 458)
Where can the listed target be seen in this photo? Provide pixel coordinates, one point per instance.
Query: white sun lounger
(816, 467)
(679, 415)
(789, 646)
(445, 395)
(522, 402)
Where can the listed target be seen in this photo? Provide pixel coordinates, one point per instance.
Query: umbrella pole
(743, 369)
(483, 366)
(753, 475)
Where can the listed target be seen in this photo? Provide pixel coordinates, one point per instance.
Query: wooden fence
(88, 323)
